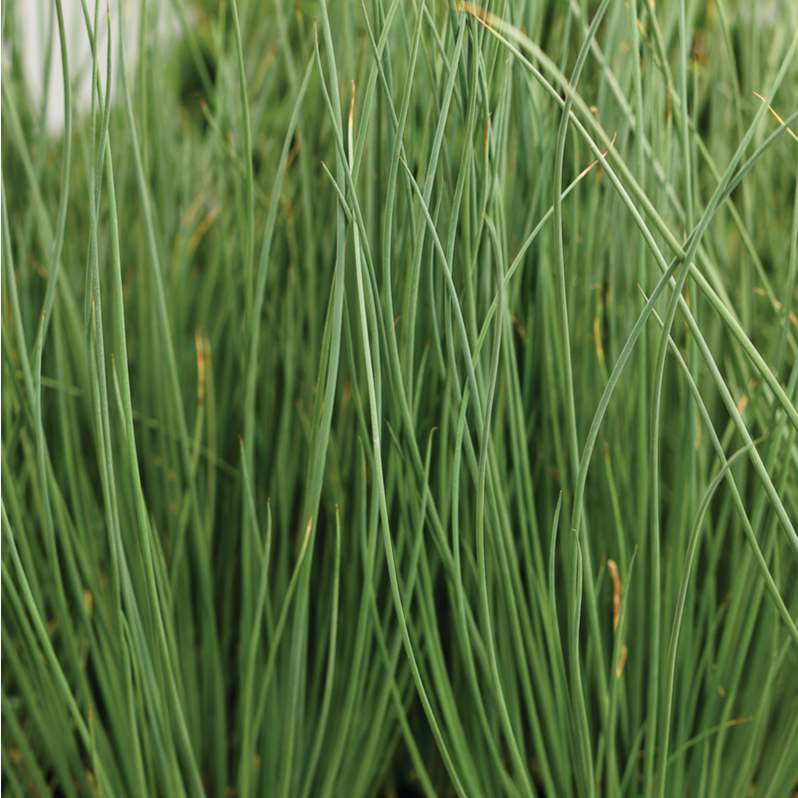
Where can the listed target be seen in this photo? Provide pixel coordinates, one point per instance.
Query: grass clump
(400, 399)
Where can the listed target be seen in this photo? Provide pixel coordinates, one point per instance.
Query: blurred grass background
(343, 452)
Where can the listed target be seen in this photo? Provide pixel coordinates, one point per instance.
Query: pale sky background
(36, 20)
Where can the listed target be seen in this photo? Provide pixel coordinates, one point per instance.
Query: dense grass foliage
(400, 399)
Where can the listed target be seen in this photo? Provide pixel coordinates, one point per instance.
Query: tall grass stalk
(365, 470)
